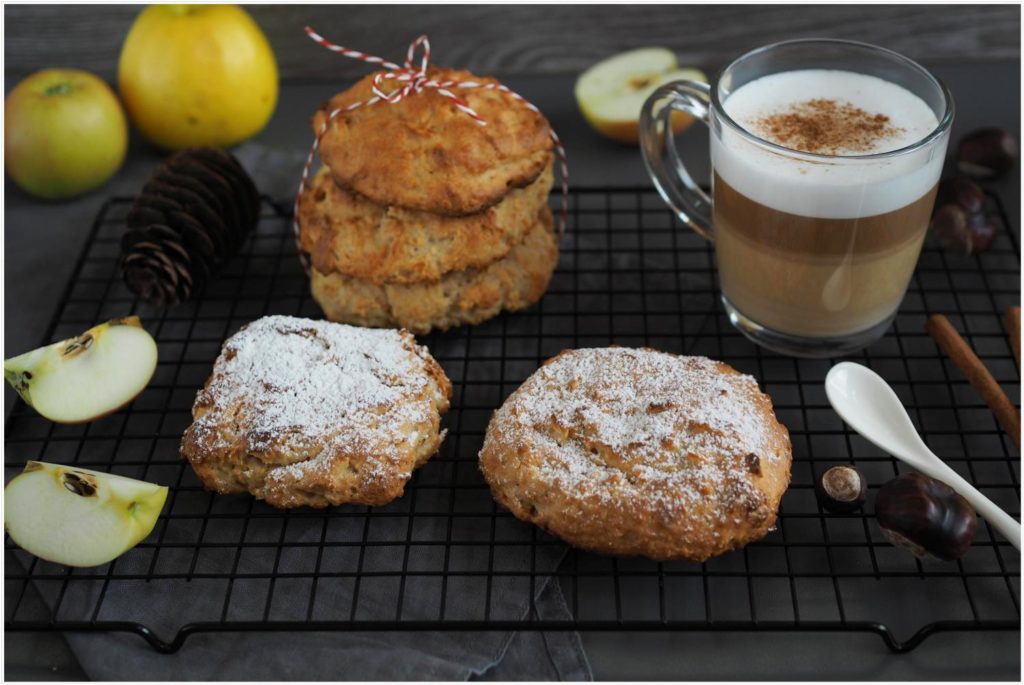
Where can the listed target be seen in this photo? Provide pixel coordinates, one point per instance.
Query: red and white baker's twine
(416, 81)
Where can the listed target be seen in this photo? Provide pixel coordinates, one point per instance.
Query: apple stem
(59, 89)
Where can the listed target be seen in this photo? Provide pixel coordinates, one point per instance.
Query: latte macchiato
(810, 248)
(825, 158)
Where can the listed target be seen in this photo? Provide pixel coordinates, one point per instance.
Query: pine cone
(194, 214)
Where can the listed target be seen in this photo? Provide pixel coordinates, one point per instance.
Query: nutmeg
(986, 153)
(841, 489)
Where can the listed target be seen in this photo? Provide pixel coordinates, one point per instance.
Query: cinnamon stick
(1011, 317)
(961, 354)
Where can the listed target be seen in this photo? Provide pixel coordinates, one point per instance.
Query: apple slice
(612, 92)
(79, 517)
(84, 378)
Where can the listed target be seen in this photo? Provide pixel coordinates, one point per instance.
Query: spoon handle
(1007, 526)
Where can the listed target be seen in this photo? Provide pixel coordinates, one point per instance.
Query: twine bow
(414, 81)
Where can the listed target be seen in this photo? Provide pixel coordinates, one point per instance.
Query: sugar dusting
(323, 388)
(633, 427)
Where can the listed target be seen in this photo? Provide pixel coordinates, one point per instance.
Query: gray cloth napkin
(364, 656)
(336, 656)
(385, 655)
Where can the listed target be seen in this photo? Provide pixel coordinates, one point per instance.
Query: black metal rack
(444, 556)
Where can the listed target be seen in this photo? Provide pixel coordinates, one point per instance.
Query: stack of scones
(423, 219)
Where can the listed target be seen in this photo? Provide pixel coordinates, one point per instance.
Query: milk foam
(845, 188)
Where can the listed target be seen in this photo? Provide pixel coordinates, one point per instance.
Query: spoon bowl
(870, 406)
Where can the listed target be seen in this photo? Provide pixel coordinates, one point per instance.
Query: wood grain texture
(533, 39)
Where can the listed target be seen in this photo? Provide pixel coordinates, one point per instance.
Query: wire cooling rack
(445, 556)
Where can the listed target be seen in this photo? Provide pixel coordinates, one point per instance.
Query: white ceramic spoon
(871, 407)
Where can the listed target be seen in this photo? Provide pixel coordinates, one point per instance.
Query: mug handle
(657, 142)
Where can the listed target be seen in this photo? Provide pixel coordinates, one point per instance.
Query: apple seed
(78, 345)
(78, 485)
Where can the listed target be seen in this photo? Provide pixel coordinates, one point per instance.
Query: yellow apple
(193, 75)
(611, 93)
(86, 377)
(64, 133)
(78, 517)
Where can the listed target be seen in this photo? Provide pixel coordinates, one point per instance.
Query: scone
(311, 413)
(638, 452)
(346, 234)
(423, 153)
(513, 282)
(423, 219)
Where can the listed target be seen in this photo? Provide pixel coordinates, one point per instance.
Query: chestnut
(969, 233)
(926, 516)
(962, 219)
(981, 231)
(949, 225)
(986, 153)
(962, 192)
(841, 489)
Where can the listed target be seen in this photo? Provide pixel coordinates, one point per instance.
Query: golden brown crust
(423, 153)
(514, 282)
(638, 452)
(310, 413)
(347, 234)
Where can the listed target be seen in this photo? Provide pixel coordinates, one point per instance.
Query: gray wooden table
(534, 39)
(41, 240)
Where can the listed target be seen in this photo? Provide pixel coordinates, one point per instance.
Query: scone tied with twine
(636, 452)
(300, 412)
(420, 271)
(431, 208)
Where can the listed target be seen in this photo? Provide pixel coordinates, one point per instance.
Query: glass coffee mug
(814, 249)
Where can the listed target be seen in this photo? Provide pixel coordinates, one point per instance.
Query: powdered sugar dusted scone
(639, 452)
(311, 413)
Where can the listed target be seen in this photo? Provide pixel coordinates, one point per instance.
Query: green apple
(611, 93)
(79, 517)
(86, 377)
(65, 133)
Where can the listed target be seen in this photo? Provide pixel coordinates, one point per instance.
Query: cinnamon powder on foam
(826, 126)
